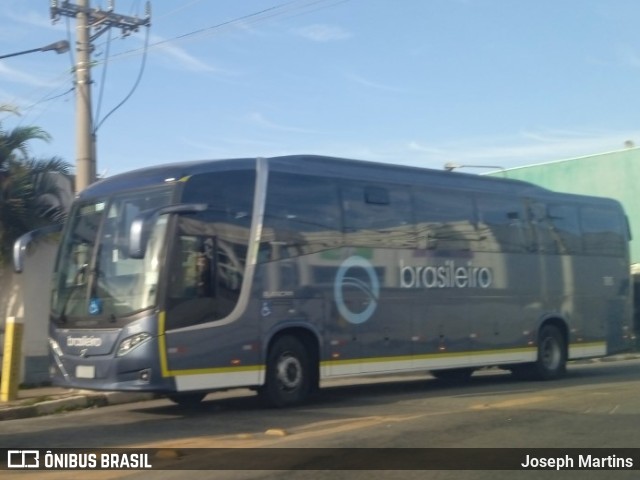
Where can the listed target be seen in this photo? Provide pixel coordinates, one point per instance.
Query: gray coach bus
(273, 274)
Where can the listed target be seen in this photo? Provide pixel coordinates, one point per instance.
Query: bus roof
(325, 166)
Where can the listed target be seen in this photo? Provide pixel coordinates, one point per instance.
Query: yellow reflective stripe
(162, 345)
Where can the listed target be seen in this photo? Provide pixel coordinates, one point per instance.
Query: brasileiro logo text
(84, 341)
(448, 275)
(359, 276)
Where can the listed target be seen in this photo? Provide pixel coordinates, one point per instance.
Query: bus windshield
(94, 275)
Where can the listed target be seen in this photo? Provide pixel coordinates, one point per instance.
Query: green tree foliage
(29, 191)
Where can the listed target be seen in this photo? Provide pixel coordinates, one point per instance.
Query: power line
(103, 80)
(54, 84)
(50, 98)
(252, 18)
(176, 10)
(133, 89)
(46, 100)
(107, 19)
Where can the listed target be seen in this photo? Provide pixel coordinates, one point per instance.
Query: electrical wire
(292, 8)
(71, 58)
(176, 10)
(103, 80)
(53, 86)
(147, 47)
(35, 118)
(251, 19)
(50, 98)
(135, 85)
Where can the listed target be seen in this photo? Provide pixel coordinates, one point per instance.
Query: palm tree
(29, 193)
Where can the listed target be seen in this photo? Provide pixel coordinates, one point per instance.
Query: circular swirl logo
(358, 274)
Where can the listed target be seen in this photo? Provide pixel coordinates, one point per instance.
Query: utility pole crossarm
(100, 18)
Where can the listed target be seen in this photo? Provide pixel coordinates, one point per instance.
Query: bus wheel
(552, 357)
(288, 379)
(453, 375)
(187, 400)
(552, 354)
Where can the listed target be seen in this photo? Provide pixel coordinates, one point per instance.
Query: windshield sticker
(95, 306)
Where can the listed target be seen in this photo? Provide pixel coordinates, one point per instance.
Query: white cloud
(185, 59)
(175, 56)
(13, 75)
(528, 147)
(323, 33)
(33, 18)
(623, 55)
(227, 147)
(627, 56)
(260, 120)
(373, 85)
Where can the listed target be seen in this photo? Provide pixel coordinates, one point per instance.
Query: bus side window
(500, 223)
(564, 225)
(208, 257)
(302, 216)
(378, 215)
(445, 219)
(192, 276)
(195, 290)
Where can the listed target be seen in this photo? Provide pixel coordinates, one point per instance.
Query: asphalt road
(596, 406)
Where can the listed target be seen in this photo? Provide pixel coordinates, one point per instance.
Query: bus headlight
(132, 342)
(55, 347)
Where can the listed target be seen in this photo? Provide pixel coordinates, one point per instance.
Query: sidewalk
(35, 402)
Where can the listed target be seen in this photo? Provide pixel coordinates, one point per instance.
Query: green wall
(615, 175)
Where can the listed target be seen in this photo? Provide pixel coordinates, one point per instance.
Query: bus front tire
(288, 376)
(552, 357)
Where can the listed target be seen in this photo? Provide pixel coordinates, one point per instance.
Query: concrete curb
(76, 401)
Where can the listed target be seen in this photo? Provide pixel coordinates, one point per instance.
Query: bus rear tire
(288, 377)
(552, 357)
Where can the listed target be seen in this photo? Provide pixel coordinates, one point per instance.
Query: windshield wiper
(72, 289)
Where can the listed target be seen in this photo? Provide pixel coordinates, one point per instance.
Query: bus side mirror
(21, 244)
(143, 224)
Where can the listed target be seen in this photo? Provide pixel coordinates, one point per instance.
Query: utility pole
(85, 163)
(100, 21)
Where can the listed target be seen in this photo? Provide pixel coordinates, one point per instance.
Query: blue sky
(418, 82)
